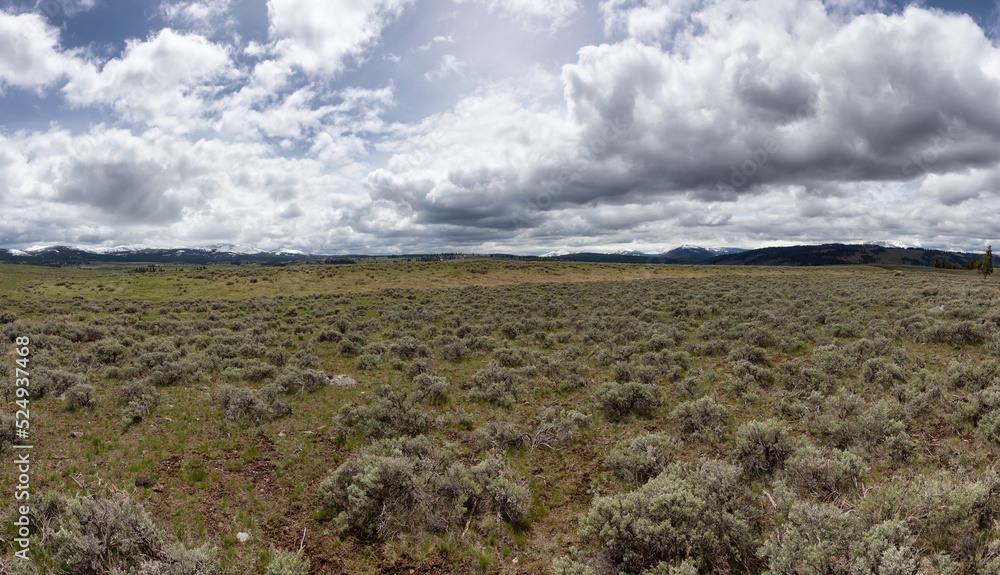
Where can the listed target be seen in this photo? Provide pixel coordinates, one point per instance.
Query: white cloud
(109, 186)
(645, 20)
(436, 40)
(318, 37)
(532, 13)
(30, 57)
(201, 15)
(449, 64)
(164, 81)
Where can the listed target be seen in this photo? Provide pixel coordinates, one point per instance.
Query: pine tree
(987, 267)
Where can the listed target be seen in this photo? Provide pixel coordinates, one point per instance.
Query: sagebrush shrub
(248, 406)
(390, 413)
(762, 446)
(701, 514)
(430, 389)
(80, 396)
(989, 426)
(109, 352)
(881, 372)
(287, 563)
(642, 458)
(704, 417)
(826, 474)
(455, 351)
(299, 380)
(752, 374)
(558, 428)
(823, 539)
(138, 400)
(8, 432)
(497, 385)
(368, 361)
(403, 485)
(500, 435)
(53, 382)
(96, 535)
(955, 514)
(173, 373)
(420, 365)
(619, 401)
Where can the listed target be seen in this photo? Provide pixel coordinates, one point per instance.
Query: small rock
(75, 434)
(243, 537)
(282, 434)
(145, 482)
(899, 273)
(342, 380)
(158, 488)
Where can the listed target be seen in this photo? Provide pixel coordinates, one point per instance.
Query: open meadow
(489, 416)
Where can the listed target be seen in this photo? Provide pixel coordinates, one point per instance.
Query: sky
(486, 126)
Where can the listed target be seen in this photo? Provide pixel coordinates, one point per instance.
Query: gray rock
(243, 537)
(342, 379)
(76, 434)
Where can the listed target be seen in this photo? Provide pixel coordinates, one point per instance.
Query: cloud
(164, 81)
(318, 37)
(202, 15)
(448, 65)
(436, 40)
(756, 101)
(111, 186)
(30, 57)
(535, 13)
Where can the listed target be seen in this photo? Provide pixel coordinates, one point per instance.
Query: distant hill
(822, 255)
(69, 256)
(842, 254)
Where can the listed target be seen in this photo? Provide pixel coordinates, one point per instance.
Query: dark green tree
(987, 267)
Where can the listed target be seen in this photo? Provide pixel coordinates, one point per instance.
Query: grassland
(511, 417)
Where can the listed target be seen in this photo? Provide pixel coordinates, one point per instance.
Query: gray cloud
(121, 191)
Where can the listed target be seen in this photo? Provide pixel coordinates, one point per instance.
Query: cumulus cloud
(163, 81)
(30, 56)
(318, 37)
(109, 185)
(757, 98)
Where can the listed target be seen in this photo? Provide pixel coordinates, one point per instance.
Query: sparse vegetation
(421, 415)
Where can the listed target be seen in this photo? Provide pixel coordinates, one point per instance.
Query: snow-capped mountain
(724, 251)
(689, 252)
(555, 254)
(888, 244)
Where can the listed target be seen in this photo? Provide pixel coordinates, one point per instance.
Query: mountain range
(887, 253)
